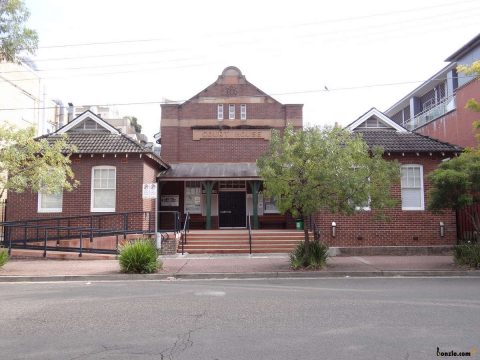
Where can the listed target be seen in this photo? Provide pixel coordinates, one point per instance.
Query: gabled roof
(397, 138)
(84, 116)
(392, 141)
(110, 141)
(373, 112)
(231, 72)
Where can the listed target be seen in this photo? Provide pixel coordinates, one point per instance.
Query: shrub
(317, 259)
(139, 257)
(467, 254)
(3, 257)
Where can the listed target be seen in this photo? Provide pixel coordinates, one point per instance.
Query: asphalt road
(349, 318)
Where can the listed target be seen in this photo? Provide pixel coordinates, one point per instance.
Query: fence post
(81, 244)
(9, 237)
(91, 228)
(45, 244)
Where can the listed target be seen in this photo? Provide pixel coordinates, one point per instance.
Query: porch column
(255, 186)
(208, 189)
(157, 216)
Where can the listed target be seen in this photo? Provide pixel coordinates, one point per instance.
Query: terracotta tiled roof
(392, 141)
(104, 143)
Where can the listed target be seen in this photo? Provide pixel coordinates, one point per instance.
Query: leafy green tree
(135, 124)
(456, 184)
(313, 169)
(15, 37)
(29, 163)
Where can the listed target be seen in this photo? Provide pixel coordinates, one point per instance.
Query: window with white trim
(104, 188)
(220, 112)
(412, 187)
(243, 112)
(50, 202)
(270, 205)
(231, 111)
(193, 196)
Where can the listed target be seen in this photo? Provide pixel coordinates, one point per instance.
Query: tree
(15, 37)
(313, 169)
(33, 163)
(456, 184)
(135, 124)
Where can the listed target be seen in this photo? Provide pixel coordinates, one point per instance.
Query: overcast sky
(367, 53)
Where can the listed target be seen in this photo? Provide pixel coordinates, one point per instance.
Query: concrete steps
(237, 242)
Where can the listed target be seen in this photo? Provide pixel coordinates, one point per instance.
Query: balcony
(427, 115)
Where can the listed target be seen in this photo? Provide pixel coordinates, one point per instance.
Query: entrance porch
(219, 196)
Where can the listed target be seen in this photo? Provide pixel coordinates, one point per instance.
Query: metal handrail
(249, 223)
(186, 229)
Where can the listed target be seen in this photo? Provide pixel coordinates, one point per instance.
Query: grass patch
(316, 260)
(467, 254)
(3, 257)
(139, 257)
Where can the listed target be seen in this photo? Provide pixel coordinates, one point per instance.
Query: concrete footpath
(232, 266)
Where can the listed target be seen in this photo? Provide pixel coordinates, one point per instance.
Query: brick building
(110, 166)
(207, 168)
(211, 143)
(436, 108)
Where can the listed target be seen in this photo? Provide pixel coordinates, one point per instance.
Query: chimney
(61, 113)
(70, 112)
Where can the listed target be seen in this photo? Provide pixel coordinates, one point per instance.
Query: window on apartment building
(104, 188)
(243, 112)
(220, 112)
(412, 187)
(193, 196)
(231, 111)
(50, 202)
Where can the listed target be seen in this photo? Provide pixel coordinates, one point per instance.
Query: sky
(366, 53)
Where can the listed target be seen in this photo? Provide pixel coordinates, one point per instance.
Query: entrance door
(232, 209)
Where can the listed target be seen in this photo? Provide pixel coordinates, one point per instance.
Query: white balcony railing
(424, 117)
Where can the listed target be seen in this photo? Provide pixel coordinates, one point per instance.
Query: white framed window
(104, 188)
(243, 112)
(412, 187)
(220, 112)
(50, 203)
(193, 197)
(270, 205)
(231, 111)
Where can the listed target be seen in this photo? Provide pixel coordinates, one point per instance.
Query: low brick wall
(170, 243)
(391, 250)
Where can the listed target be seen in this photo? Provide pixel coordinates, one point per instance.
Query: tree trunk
(306, 239)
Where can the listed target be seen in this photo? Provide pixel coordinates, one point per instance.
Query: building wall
(404, 228)
(200, 112)
(456, 126)
(131, 173)
(23, 90)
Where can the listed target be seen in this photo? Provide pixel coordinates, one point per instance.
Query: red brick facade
(403, 228)
(131, 173)
(456, 126)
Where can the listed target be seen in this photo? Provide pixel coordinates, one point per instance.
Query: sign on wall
(149, 191)
(170, 200)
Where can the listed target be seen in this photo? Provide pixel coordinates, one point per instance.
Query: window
(412, 187)
(231, 111)
(50, 202)
(220, 112)
(193, 195)
(104, 188)
(243, 112)
(270, 206)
